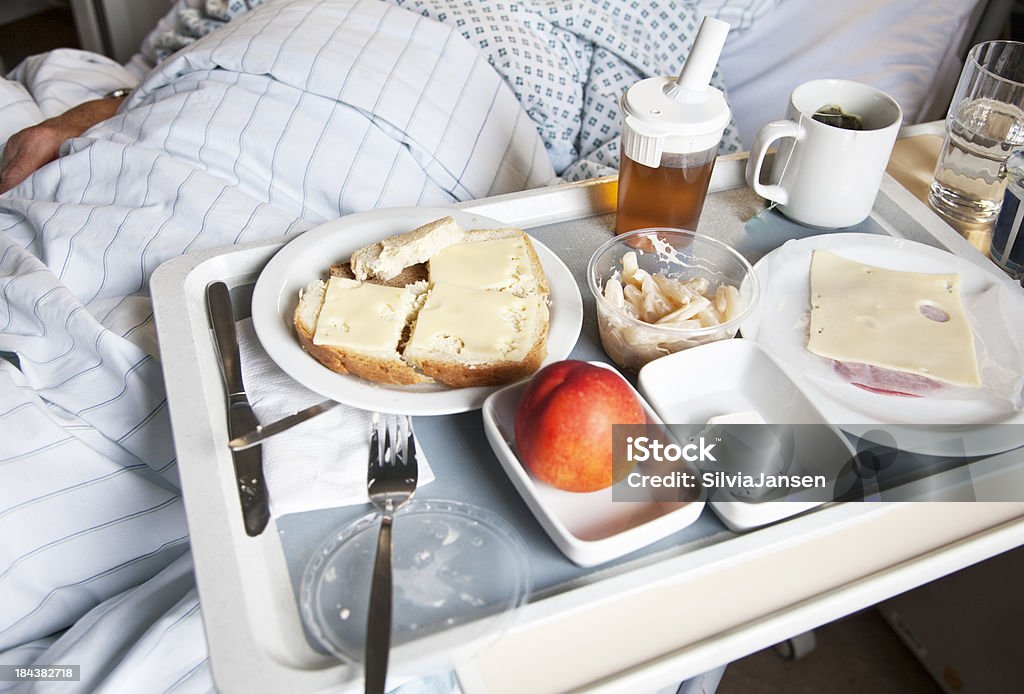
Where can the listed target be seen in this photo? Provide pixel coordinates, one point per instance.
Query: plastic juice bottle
(671, 130)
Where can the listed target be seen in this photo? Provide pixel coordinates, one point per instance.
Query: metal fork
(390, 482)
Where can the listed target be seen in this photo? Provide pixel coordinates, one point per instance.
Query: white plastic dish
(691, 386)
(460, 574)
(983, 425)
(589, 528)
(310, 255)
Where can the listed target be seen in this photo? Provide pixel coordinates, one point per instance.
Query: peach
(564, 424)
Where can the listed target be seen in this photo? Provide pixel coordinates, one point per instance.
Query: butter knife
(252, 488)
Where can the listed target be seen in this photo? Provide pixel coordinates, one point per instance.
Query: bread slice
(451, 253)
(476, 337)
(483, 320)
(492, 259)
(410, 275)
(385, 259)
(366, 325)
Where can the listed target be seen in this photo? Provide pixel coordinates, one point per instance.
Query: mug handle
(776, 130)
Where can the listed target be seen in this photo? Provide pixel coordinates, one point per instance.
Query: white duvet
(291, 115)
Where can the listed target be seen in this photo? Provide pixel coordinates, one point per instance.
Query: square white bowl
(589, 528)
(691, 386)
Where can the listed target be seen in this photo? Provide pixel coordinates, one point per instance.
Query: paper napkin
(320, 463)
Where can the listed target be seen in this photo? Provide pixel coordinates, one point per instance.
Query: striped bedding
(289, 115)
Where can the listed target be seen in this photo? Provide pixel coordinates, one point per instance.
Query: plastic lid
(460, 572)
(678, 114)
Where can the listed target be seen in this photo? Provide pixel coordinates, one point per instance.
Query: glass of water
(984, 124)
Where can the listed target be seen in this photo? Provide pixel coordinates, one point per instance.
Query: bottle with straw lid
(671, 130)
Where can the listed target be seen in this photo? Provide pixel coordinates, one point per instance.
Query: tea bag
(834, 115)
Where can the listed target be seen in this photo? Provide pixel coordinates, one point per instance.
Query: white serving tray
(635, 625)
(589, 528)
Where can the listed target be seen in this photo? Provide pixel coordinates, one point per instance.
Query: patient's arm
(31, 148)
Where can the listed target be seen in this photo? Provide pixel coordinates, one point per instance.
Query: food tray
(674, 609)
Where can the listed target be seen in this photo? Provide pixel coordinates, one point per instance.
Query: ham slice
(875, 379)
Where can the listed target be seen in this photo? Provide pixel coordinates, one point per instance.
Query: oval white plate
(935, 426)
(310, 256)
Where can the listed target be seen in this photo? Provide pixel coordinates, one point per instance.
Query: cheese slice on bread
(355, 327)
(500, 260)
(464, 336)
(481, 317)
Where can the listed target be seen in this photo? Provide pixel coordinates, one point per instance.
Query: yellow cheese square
(364, 317)
(496, 264)
(474, 324)
(880, 317)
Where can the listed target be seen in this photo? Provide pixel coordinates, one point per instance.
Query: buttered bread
(363, 316)
(355, 327)
(467, 336)
(481, 317)
(502, 260)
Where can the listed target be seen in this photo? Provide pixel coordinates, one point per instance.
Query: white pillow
(908, 48)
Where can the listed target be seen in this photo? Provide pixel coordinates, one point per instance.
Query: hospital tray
(689, 603)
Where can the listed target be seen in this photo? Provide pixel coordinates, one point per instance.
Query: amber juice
(671, 195)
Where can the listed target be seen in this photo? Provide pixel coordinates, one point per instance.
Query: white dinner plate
(310, 256)
(982, 424)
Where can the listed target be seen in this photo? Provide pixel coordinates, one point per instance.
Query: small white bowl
(589, 528)
(737, 375)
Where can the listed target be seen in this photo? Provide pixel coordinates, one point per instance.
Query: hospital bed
(758, 73)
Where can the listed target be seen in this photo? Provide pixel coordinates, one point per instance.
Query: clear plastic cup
(676, 254)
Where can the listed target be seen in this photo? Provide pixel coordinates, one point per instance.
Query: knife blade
(252, 488)
(264, 431)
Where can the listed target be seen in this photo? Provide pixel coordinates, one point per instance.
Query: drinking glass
(984, 124)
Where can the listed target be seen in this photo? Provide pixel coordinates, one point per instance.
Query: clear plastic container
(674, 254)
(459, 573)
(668, 195)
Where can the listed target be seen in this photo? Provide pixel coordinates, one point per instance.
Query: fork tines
(392, 447)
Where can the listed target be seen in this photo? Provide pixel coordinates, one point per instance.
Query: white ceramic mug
(826, 176)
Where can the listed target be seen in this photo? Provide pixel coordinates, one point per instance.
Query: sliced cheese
(369, 318)
(874, 316)
(476, 325)
(498, 264)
